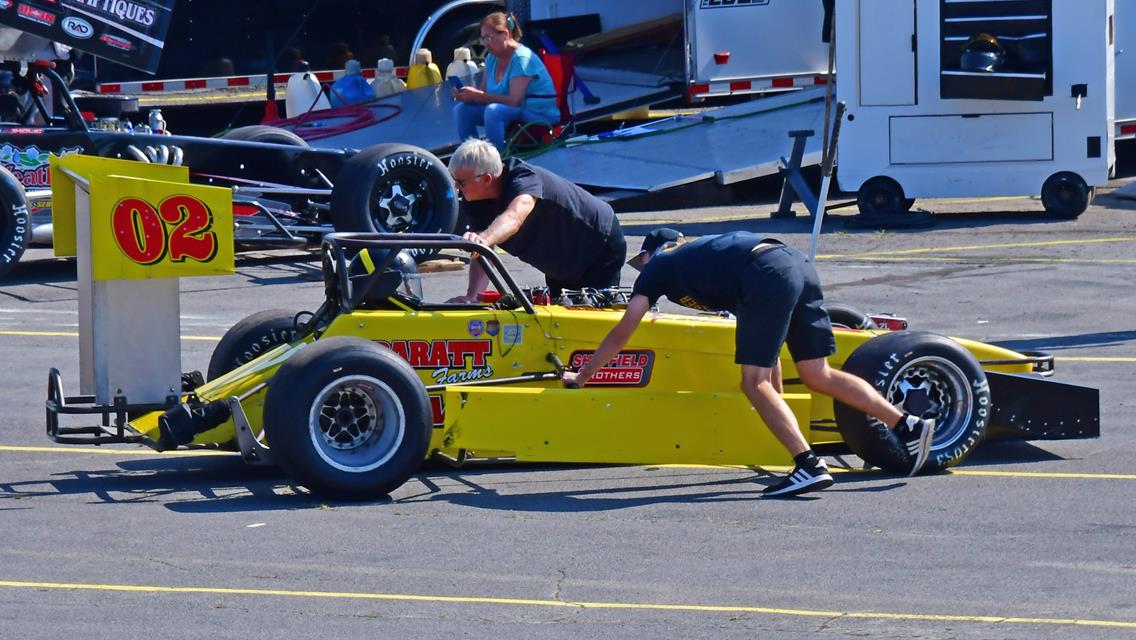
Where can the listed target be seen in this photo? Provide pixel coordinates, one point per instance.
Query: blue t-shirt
(704, 274)
(540, 96)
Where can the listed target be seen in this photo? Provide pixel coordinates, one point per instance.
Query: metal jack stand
(794, 186)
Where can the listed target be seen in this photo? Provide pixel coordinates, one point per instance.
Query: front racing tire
(250, 338)
(394, 188)
(927, 375)
(15, 221)
(347, 419)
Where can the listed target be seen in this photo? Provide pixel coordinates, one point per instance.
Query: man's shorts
(781, 303)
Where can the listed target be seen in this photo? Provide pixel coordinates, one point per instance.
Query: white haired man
(568, 234)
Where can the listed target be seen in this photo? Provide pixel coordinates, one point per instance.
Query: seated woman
(515, 86)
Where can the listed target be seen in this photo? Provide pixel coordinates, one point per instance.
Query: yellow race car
(351, 398)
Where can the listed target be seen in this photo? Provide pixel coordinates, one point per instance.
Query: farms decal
(129, 32)
(449, 361)
(627, 369)
(29, 164)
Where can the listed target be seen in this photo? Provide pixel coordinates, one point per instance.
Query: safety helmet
(399, 279)
(982, 53)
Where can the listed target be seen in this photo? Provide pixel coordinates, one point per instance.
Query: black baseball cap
(652, 241)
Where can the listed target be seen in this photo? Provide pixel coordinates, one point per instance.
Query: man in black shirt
(775, 294)
(548, 222)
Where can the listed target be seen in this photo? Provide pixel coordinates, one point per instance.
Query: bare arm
(507, 224)
(517, 88)
(613, 342)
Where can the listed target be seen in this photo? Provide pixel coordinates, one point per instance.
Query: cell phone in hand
(456, 83)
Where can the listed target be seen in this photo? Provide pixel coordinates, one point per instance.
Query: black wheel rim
(402, 201)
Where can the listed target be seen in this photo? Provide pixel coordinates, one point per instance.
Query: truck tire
(15, 221)
(250, 338)
(347, 418)
(1066, 195)
(265, 133)
(394, 188)
(927, 375)
(881, 195)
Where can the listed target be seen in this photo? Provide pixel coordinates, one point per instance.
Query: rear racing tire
(394, 188)
(927, 375)
(250, 338)
(15, 221)
(348, 419)
(843, 315)
(265, 133)
(1066, 195)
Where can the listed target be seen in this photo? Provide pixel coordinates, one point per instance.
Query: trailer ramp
(728, 145)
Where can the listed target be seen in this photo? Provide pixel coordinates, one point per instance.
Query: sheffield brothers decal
(626, 369)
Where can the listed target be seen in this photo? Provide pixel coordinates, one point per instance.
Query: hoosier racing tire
(348, 419)
(250, 338)
(15, 221)
(927, 375)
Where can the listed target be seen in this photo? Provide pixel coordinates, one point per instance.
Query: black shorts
(781, 303)
(604, 272)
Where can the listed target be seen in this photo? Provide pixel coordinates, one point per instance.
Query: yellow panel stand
(135, 228)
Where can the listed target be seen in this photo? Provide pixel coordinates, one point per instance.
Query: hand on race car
(462, 300)
(568, 379)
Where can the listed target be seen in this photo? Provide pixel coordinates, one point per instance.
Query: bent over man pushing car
(775, 294)
(548, 222)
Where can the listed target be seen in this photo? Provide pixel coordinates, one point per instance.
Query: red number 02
(142, 235)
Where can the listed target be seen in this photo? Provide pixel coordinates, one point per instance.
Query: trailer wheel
(394, 188)
(265, 133)
(1066, 195)
(843, 315)
(882, 194)
(250, 338)
(15, 221)
(926, 375)
(347, 418)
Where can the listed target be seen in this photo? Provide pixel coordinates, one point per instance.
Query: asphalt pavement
(1030, 540)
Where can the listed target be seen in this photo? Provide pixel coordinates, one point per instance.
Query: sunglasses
(462, 183)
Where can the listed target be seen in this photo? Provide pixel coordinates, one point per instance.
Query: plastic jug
(386, 83)
(352, 88)
(423, 72)
(462, 66)
(303, 94)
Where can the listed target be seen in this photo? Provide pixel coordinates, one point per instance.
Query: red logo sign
(45, 18)
(626, 369)
(431, 354)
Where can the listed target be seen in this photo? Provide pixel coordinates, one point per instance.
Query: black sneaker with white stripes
(916, 434)
(804, 478)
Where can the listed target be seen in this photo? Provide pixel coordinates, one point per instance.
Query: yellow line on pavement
(1093, 359)
(978, 247)
(75, 334)
(1044, 474)
(79, 450)
(628, 606)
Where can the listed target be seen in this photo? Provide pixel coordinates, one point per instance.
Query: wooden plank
(628, 33)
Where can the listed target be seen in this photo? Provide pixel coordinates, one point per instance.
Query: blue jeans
(494, 117)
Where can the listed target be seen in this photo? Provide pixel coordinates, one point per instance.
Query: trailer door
(887, 52)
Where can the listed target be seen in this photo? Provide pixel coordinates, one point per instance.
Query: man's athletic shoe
(809, 477)
(916, 434)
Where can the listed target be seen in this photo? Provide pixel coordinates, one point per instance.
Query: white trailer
(920, 125)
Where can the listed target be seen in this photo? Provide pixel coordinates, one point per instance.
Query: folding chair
(526, 137)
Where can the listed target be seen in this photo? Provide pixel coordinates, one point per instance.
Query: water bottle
(157, 122)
